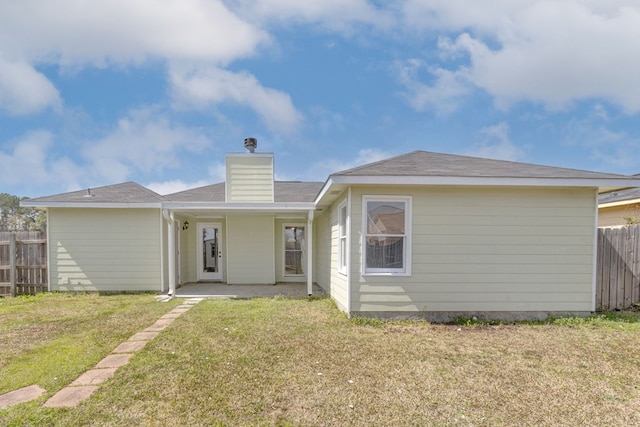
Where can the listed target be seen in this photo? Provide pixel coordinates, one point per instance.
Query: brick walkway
(88, 382)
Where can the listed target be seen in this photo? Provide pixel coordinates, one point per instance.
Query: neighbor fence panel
(618, 269)
(23, 262)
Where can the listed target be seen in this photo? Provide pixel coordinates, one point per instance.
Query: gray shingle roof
(424, 163)
(208, 193)
(285, 191)
(128, 192)
(296, 191)
(619, 196)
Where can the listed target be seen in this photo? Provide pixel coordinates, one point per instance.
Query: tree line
(14, 217)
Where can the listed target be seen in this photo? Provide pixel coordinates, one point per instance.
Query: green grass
(301, 362)
(49, 339)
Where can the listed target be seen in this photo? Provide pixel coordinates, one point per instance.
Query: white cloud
(551, 53)
(608, 148)
(205, 87)
(496, 144)
(334, 15)
(145, 141)
(72, 32)
(76, 34)
(442, 96)
(31, 164)
(23, 90)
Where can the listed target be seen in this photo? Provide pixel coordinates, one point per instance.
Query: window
(387, 223)
(342, 238)
(294, 250)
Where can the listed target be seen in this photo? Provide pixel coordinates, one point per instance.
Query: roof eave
(602, 184)
(114, 205)
(241, 206)
(482, 181)
(619, 203)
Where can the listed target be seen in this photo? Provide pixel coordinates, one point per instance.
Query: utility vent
(250, 144)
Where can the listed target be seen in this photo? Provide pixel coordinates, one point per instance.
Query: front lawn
(301, 362)
(49, 339)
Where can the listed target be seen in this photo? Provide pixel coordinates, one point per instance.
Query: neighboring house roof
(284, 191)
(620, 197)
(128, 192)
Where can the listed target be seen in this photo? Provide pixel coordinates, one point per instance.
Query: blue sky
(98, 93)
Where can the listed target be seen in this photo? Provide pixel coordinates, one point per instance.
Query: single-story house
(619, 208)
(418, 235)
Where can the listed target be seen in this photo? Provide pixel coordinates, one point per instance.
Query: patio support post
(172, 250)
(310, 253)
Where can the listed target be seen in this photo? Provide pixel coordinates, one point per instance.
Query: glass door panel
(209, 251)
(294, 250)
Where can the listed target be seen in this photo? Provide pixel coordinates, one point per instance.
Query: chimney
(249, 175)
(251, 144)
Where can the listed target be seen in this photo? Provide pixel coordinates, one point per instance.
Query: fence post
(12, 264)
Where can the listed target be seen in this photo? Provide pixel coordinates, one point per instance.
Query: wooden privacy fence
(23, 262)
(618, 268)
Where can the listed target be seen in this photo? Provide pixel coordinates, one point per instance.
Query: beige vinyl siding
(250, 243)
(250, 178)
(188, 250)
(322, 250)
(105, 249)
(327, 256)
(615, 215)
(486, 249)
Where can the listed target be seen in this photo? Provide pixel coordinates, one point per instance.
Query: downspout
(172, 250)
(49, 276)
(594, 267)
(349, 251)
(310, 253)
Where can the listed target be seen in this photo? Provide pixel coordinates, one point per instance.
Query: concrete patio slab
(130, 346)
(70, 396)
(24, 394)
(94, 376)
(114, 360)
(143, 336)
(223, 290)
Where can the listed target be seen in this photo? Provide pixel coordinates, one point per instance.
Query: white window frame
(284, 249)
(343, 227)
(406, 249)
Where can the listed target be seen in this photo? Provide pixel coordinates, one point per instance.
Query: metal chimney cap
(250, 144)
